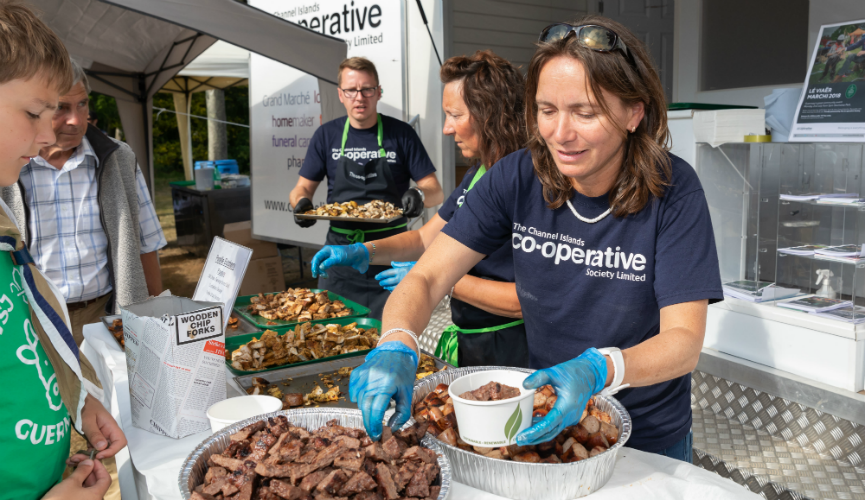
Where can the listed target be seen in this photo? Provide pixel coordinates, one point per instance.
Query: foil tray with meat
(530, 480)
(317, 453)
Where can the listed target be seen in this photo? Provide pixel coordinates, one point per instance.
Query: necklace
(588, 221)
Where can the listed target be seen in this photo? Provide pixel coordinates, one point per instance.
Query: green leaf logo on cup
(851, 91)
(512, 426)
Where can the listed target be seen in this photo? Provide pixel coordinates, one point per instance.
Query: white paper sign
(285, 106)
(222, 275)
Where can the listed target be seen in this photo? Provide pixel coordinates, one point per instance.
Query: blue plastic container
(227, 166)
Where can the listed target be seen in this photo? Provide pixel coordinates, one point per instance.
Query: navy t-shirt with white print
(498, 265)
(405, 152)
(599, 285)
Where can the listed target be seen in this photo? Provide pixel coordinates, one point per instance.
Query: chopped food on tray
(272, 459)
(594, 434)
(426, 367)
(493, 391)
(306, 342)
(297, 304)
(232, 322)
(376, 209)
(318, 395)
(116, 330)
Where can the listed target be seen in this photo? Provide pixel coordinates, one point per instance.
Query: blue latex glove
(390, 279)
(355, 255)
(575, 381)
(388, 372)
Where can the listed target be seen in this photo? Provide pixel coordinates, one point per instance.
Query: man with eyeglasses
(366, 156)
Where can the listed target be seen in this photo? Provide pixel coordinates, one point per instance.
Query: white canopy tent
(221, 66)
(132, 48)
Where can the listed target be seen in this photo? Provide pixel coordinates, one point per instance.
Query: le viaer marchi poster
(832, 104)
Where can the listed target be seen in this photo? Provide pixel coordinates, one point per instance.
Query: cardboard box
(263, 276)
(241, 233)
(175, 356)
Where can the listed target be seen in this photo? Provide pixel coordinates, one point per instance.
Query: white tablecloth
(157, 459)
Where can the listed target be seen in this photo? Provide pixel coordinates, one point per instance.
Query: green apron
(355, 193)
(34, 421)
(448, 345)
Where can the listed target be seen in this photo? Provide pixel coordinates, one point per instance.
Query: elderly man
(87, 216)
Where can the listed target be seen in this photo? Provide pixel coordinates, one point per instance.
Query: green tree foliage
(105, 109)
(167, 158)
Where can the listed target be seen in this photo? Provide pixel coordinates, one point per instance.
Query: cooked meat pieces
(309, 482)
(306, 342)
(273, 460)
(376, 209)
(332, 482)
(350, 460)
(594, 432)
(292, 400)
(359, 482)
(384, 478)
(492, 391)
(286, 490)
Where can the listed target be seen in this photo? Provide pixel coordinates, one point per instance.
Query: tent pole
(145, 113)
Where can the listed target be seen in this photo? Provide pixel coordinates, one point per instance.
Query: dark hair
(493, 90)
(29, 48)
(646, 167)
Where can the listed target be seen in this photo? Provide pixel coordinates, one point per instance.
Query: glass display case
(779, 212)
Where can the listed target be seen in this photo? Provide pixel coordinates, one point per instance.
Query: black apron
(481, 338)
(361, 183)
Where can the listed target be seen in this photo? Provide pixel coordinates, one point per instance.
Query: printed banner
(285, 106)
(831, 108)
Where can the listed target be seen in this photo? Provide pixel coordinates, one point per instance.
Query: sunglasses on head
(590, 36)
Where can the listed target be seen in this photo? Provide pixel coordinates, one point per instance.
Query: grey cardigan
(118, 210)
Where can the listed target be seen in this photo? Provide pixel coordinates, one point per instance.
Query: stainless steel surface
(845, 404)
(243, 326)
(305, 377)
(195, 466)
(772, 444)
(347, 219)
(525, 481)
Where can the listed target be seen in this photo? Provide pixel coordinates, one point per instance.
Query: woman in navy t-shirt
(612, 240)
(483, 105)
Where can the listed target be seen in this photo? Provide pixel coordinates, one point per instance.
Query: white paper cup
(492, 423)
(229, 411)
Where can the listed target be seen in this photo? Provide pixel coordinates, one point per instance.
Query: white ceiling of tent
(95, 31)
(132, 48)
(221, 59)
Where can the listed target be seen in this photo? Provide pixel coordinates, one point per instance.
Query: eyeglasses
(590, 36)
(367, 92)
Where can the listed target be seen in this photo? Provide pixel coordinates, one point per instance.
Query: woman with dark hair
(483, 105)
(612, 240)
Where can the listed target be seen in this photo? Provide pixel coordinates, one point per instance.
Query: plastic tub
(229, 411)
(492, 423)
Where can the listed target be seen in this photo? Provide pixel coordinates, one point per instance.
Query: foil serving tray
(194, 468)
(529, 481)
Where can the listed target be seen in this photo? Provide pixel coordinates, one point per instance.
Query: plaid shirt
(69, 244)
